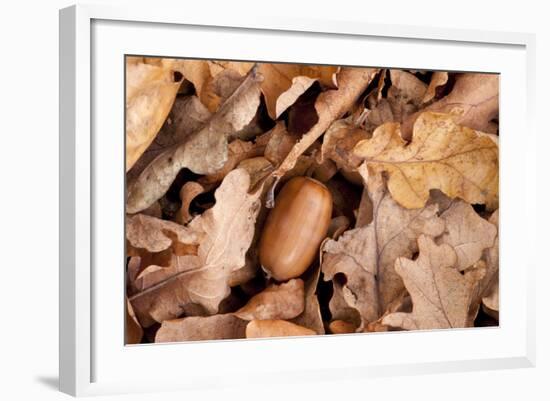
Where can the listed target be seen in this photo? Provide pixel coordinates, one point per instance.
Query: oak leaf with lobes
(441, 295)
(203, 152)
(225, 231)
(366, 255)
(442, 155)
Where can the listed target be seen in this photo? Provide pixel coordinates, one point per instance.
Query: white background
(29, 200)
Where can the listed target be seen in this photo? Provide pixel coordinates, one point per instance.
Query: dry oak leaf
(467, 232)
(439, 78)
(442, 155)
(311, 316)
(226, 232)
(284, 83)
(283, 301)
(366, 255)
(134, 332)
(189, 191)
(204, 152)
(473, 102)
(440, 293)
(156, 235)
(275, 328)
(339, 141)
(488, 289)
(330, 106)
(150, 93)
(196, 328)
(188, 115)
(238, 150)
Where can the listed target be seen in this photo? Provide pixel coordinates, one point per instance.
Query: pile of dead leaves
(410, 158)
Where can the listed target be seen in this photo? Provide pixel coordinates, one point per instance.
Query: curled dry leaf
(188, 115)
(238, 150)
(442, 155)
(439, 78)
(488, 290)
(216, 327)
(134, 332)
(283, 301)
(225, 232)
(204, 152)
(311, 316)
(275, 328)
(341, 327)
(155, 235)
(257, 168)
(330, 105)
(339, 141)
(467, 233)
(189, 191)
(366, 255)
(473, 102)
(284, 83)
(441, 295)
(150, 93)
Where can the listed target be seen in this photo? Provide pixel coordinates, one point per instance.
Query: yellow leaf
(459, 161)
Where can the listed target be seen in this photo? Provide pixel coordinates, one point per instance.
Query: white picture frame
(93, 358)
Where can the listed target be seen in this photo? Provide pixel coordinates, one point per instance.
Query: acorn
(295, 228)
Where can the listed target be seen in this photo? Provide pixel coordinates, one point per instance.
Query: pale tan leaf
(441, 295)
(275, 328)
(284, 83)
(283, 301)
(150, 93)
(189, 191)
(467, 233)
(341, 327)
(134, 332)
(204, 152)
(188, 115)
(226, 231)
(439, 78)
(238, 150)
(257, 168)
(366, 255)
(339, 141)
(196, 328)
(330, 106)
(156, 235)
(311, 316)
(457, 160)
(410, 87)
(473, 102)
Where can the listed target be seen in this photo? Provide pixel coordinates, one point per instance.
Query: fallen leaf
(442, 155)
(467, 233)
(311, 316)
(330, 105)
(203, 153)
(150, 93)
(189, 191)
(238, 150)
(473, 102)
(155, 235)
(284, 83)
(275, 328)
(134, 332)
(257, 168)
(441, 295)
(226, 231)
(339, 141)
(283, 301)
(341, 327)
(196, 328)
(366, 255)
(439, 78)
(188, 115)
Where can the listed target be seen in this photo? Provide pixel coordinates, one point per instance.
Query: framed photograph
(306, 200)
